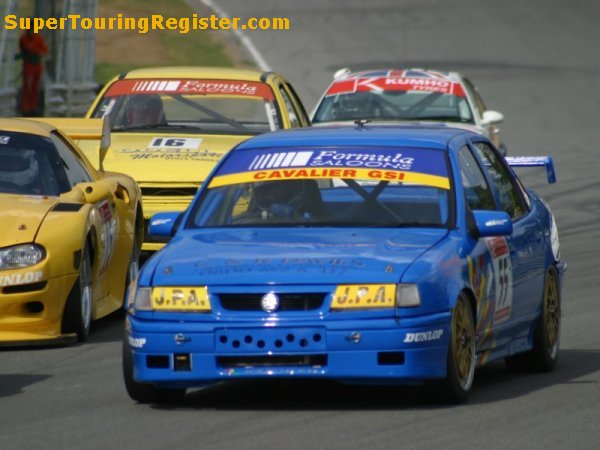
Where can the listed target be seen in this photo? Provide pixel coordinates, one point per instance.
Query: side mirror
(164, 224)
(492, 223)
(491, 117)
(341, 73)
(93, 192)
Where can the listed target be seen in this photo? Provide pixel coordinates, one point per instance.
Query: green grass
(156, 48)
(105, 71)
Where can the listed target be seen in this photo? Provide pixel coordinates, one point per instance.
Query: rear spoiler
(80, 129)
(534, 161)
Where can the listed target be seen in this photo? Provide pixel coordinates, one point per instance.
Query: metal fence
(69, 85)
(71, 88)
(8, 39)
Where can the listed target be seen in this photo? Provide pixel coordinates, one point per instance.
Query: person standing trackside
(33, 47)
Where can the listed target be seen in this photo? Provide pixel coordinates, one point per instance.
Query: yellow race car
(70, 233)
(171, 125)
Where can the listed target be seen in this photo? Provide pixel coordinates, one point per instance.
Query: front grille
(272, 360)
(169, 191)
(287, 302)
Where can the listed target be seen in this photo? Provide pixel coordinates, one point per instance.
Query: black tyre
(461, 359)
(144, 392)
(132, 271)
(77, 316)
(546, 337)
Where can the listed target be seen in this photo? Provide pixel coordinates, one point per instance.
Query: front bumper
(32, 313)
(186, 354)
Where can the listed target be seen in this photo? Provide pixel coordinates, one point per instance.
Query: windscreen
(30, 165)
(340, 186)
(194, 105)
(390, 97)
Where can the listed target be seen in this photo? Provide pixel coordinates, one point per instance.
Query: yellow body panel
(75, 128)
(32, 299)
(26, 126)
(179, 170)
(131, 153)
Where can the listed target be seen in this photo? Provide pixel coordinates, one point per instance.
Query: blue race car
(364, 255)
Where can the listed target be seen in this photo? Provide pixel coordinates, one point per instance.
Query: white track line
(261, 62)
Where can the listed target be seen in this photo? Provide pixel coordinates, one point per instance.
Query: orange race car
(71, 234)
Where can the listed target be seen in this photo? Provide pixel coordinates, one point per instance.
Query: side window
(479, 105)
(289, 106)
(511, 197)
(303, 115)
(74, 167)
(477, 192)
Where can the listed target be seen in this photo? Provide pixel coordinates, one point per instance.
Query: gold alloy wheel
(463, 343)
(546, 335)
(552, 314)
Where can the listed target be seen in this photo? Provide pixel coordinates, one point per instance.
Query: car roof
(197, 72)
(26, 126)
(426, 136)
(414, 72)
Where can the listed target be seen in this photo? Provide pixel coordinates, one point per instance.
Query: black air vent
(68, 207)
(287, 302)
(168, 192)
(272, 360)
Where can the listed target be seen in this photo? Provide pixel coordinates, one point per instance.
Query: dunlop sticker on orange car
(180, 299)
(17, 279)
(355, 296)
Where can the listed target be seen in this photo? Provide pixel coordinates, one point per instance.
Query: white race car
(407, 95)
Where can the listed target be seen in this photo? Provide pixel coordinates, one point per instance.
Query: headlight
(407, 296)
(143, 299)
(20, 256)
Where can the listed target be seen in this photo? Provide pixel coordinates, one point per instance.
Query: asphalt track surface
(538, 62)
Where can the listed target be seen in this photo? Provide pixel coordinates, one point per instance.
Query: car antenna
(360, 123)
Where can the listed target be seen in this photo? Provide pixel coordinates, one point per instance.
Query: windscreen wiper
(156, 126)
(440, 118)
(215, 115)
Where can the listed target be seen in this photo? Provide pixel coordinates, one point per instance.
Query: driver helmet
(144, 110)
(18, 167)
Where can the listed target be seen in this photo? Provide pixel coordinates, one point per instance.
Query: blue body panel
(387, 345)
(265, 256)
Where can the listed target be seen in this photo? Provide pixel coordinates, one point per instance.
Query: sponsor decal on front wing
(424, 336)
(20, 278)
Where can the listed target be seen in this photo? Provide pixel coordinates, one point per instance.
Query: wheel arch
(472, 302)
(139, 226)
(91, 240)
